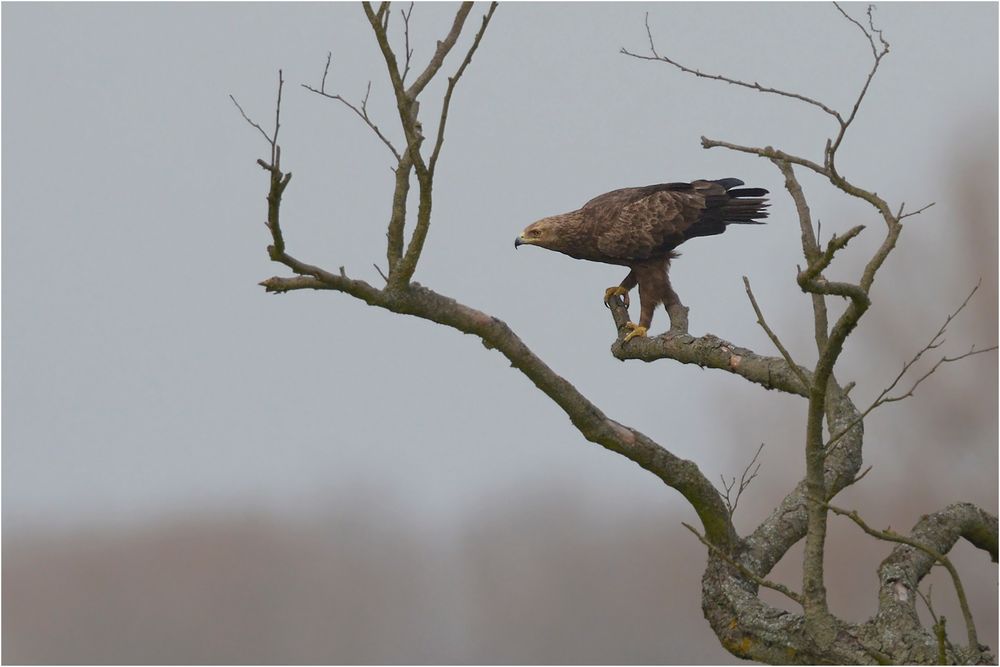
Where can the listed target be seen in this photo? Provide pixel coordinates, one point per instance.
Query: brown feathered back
(638, 224)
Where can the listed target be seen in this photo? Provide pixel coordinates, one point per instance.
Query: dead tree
(737, 564)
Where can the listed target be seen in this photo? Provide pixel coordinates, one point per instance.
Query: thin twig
(406, 38)
(326, 69)
(247, 119)
(927, 599)
(747, 572)
(917, 212)
(275, 151)
(774, 337)
(862, 475)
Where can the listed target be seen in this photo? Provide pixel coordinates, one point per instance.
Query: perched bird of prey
(640, 227)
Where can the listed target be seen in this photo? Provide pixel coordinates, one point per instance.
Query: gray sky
(147, 376)
(146, 373)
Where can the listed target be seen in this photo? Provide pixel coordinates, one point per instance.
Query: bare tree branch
(736, 82)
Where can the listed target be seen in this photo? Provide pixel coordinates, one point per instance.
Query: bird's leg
(677, 311)
(622, 290)
(648, 300)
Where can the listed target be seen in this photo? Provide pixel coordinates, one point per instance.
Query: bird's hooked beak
(524, 239)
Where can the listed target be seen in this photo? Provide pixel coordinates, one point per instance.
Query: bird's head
(541, 233)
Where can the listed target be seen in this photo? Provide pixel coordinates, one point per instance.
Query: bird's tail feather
(745, 211)
(727, 205)
(745, 205)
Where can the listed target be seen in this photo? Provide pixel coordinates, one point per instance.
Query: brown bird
(640, 227)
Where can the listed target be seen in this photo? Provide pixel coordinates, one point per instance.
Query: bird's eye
(535, 233)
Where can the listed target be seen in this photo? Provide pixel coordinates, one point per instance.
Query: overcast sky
(146, 373)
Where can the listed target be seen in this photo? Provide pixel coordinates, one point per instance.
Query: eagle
(640, 228)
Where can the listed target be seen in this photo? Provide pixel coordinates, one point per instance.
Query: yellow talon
(616, 291)
(637, 331)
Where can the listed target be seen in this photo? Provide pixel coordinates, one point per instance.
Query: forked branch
(362, 112)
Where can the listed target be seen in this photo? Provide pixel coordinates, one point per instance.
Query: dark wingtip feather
(747, 192)
(729, 183)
